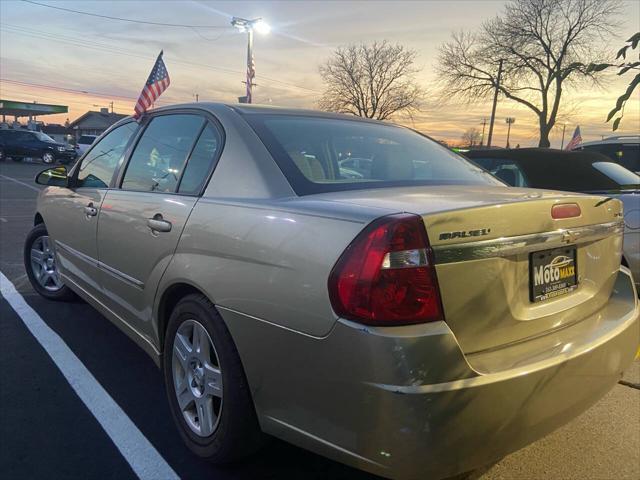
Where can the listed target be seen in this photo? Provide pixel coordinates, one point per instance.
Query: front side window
(160, 155)
(100, 163)
(325, 154)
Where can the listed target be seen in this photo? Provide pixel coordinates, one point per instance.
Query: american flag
(251, 73)
(575, 140)
(157, 83)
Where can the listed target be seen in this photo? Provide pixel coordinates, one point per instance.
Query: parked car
(84, 142)
(622, 149)
(577, 171)
(414, 323)
(19, 144)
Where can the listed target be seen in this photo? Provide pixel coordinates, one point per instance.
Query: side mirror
(53, 177)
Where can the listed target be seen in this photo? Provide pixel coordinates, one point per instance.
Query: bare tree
(545, 46)
(471, 137)
(372, 81)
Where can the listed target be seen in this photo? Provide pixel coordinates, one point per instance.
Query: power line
(130, 20)
(110, 48)
(65, 90)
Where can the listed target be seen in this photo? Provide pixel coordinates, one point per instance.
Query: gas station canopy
(24, 109)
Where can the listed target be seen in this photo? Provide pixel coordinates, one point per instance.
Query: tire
(236, 433)
(42, 270)
(48, 158)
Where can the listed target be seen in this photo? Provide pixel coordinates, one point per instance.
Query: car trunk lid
(484, 239)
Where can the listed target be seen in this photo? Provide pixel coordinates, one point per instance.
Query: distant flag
(157, 83)
(575, 140)
(251, 73)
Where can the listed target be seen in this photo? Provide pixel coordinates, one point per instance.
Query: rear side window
(98, 166)
(325, 154)
(160, 155)
(201, 161)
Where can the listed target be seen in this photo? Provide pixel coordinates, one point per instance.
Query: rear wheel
(206, 386)
(48, 157)
(41, 266)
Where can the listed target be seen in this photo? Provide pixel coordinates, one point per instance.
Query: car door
(16, 144)
(141, 222)
(31, 145)
(71, 214)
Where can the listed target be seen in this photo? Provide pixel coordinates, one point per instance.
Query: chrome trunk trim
(508, 246)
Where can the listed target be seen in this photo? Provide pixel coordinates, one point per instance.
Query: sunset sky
(53, 56)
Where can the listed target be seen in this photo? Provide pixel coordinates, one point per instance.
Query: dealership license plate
(552, 273)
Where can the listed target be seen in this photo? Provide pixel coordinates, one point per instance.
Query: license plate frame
(552, 273)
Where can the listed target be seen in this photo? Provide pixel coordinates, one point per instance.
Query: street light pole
(484, 124)
(251, 71)
(245, 25)
(509, 121)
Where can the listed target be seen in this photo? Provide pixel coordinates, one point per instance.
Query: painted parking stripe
(21, 183)
(143, 458)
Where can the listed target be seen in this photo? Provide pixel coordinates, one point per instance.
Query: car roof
(251, 109)
(616, 139)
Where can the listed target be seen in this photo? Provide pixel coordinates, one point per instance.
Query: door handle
(90, 210)
(158, 224)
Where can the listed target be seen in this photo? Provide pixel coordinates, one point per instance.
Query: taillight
(386, 275)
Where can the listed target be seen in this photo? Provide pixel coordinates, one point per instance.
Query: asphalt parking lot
(47, 430)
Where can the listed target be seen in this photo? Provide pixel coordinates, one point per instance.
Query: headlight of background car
(61, 149)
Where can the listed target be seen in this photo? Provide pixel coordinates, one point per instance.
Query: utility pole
(196, 97)
(484, 124)
(111, 105)
(510, 121)
(564, 127)
(495, 102)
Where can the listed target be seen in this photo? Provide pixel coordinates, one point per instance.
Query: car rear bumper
(405, 402)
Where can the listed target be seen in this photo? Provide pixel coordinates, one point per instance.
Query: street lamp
(509, 121)
(245, 25)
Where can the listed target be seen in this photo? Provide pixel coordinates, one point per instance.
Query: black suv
(18, 144)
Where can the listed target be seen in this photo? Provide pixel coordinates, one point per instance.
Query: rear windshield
(619, 174)
(324, 155)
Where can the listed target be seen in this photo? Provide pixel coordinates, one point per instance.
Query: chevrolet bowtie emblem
(570, 237)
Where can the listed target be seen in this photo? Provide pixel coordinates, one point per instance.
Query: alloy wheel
(47, 158)
(197, 378)
(43, 264)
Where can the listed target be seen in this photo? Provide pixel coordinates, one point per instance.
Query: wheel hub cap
(197, 378)
(43, 264)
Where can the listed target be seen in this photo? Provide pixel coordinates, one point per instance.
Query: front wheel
(48, 157)
(205, 383)
(41, 266)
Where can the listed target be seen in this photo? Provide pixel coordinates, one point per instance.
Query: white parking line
(143, 458)
(21, 183)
